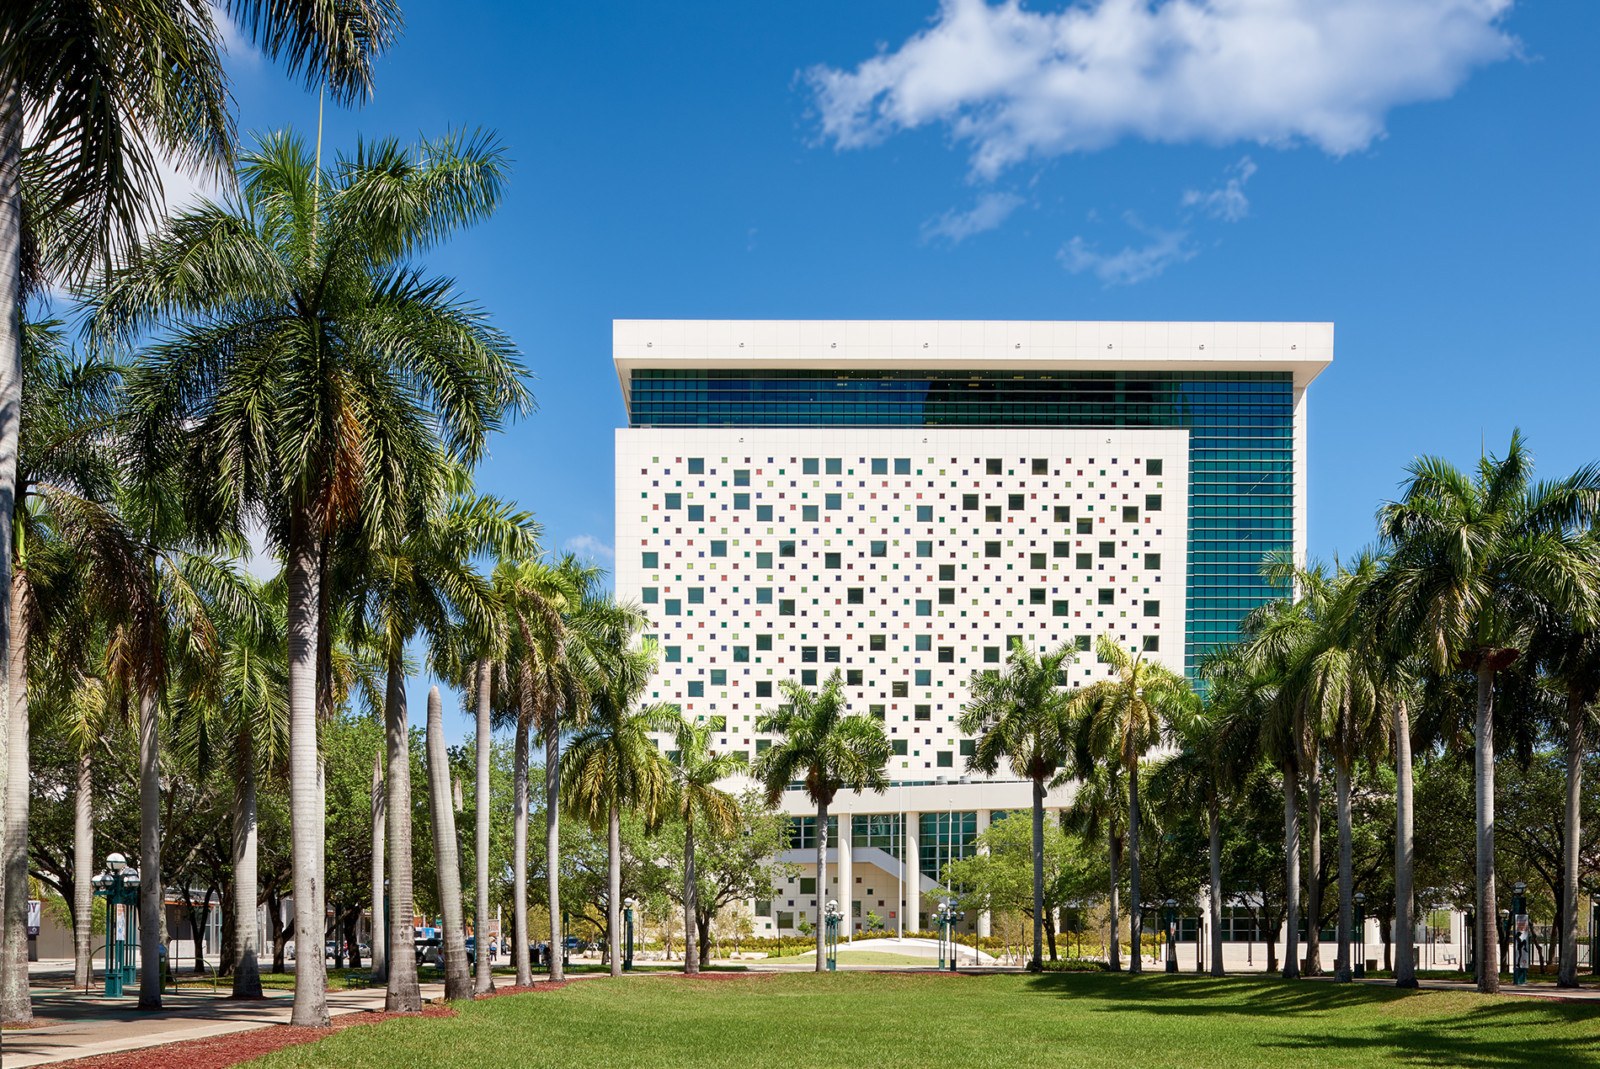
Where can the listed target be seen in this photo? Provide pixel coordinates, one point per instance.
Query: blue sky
(1420, 172)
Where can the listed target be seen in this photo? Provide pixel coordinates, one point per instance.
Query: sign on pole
(34, 909)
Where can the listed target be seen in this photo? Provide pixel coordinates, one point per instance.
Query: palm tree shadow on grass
(1202, 996)
(1465, 1040)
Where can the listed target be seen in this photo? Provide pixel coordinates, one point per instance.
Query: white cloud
(989, 212)
(1227, 202)
(1132, 263)
(1014, 84)
(589, 546)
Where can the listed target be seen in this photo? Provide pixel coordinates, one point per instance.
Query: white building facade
(900, 501)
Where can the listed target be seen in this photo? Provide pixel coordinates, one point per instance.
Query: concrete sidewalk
(80, 1026)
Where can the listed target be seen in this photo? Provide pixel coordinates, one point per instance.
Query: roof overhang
(1304, 349)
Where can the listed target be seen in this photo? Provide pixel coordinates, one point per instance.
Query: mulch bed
(220, 1052)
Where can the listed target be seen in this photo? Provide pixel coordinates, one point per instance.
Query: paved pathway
(79, 1026)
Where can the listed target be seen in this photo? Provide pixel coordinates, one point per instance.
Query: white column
(983, 918)
(847, 882)
(911, 876)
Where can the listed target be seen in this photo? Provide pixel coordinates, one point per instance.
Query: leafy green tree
(998, 876)
(826, 747)
(730, 868)
(1022, 717)
(1120, 719)
(1473, 558)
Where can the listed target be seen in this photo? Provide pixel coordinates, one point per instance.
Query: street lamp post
(1522, 946)
(831, 917)
(947, 916)
(1172, 934)
(1359, 937)
(627, 934)
(119, 886)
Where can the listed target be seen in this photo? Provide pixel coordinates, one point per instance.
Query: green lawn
(919, 1020)
(859, 957)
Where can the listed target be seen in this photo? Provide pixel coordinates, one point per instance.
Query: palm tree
(1473, 559)
(1023, 717)
(1571, 656)
(446, 855)
(234, 701)
(612, 762)
(1336, 675)
(551, 612)
(697, 798)
(69, 554)
(322, 379)
(421, 580)
(824, 746)
(1121, 719)
(1215, 750)
(106, 98)
(1276, 636)
(1100, 808)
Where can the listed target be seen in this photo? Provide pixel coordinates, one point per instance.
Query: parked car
(431, 952)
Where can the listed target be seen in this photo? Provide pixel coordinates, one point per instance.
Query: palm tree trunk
(614, 887)
(83, 874)
(151, 892)
(1291, 875)
(380, 931)
(15, 1005)
(1037, 962)
(1135, 914)
(1341, 788)
(519, 853)
(822, 883)
(403, 995)
(1214, 817)
(447, 856)
(480, 906)
(552, 848)
(1405, 967)
(1314, 868)
(1567, 975)
(246, 933)
(691, 960)
(1116, 893)
(1489, 936)
(305, 814)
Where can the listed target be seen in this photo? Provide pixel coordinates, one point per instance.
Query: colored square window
(808, 677)
(673, 501)
(763, 689)
(902, 465)
(741, 476)
(924, 643)
(991, 514)
(1130, 513)
(763, 513)
(880, 465)
(674, 654)
(741, 501)
(697, 688)
(924, 549)
(697, 514)
(969, 502)
(809, 466)
(924, 513)
(924, 677)
(1152, 561)
(1105, 596)
(808, 513)
(763, 643)
(992, 466)
(674, 607)
(649, 595)
(1063, 513)
(945, 759)
(1152, 608)
(835, 466)
(649, 560)
(697, 465)
(1152, 502)
(719, 548)
(991, 549)
(786, 607)
(741, 654)
(924, 608)
(763, 595)
(1041, 466)
(764, 560)
(1085, 525)
(1152, 466)
(833, 502)
(897, 747)
(880, 549)
(697, 595)
(1014, 502)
